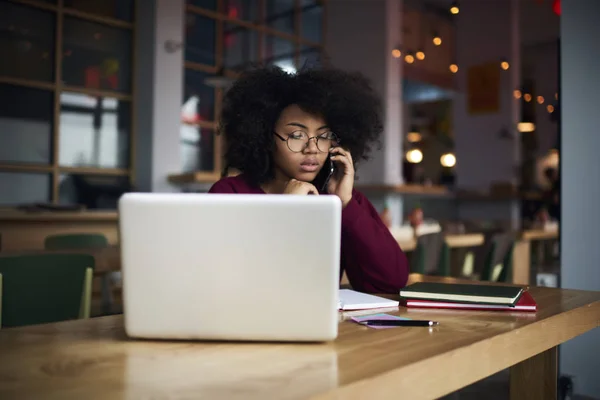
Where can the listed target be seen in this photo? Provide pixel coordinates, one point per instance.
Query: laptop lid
(230, 267)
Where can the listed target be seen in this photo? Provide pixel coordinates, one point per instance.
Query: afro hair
(253, 104)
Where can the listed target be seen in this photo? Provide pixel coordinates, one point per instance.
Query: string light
(540, 99)
(527, 97)
(437, 40)
(396, 53)
(453, 68)
(517, 94)
(420, 55)
(454, 8)
(504, 65)
(409, 58)
(550, 108)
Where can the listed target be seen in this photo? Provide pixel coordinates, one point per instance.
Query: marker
(399, 322)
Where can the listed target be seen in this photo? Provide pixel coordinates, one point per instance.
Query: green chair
(74, 241)
(37, 289)
(431, 255)
(83, 241)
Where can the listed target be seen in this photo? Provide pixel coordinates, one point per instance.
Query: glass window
(94, 131)
(197, 148)
(198, 98)
(311, 18)
(119, 9)
(26, 42)
(26, 117)
(310, 58)
(280, 15)
(207, 4)
(242, 9)
(240, 46)
(92, 191)
(24, 188)
(280, 52)
(200, 39)
(96, 56)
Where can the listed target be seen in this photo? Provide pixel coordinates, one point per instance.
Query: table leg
(535, 378)
(106, 294)
(522, 263)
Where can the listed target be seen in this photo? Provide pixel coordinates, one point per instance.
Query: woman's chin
(306, 176)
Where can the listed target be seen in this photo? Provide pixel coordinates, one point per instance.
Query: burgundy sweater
(370, 255)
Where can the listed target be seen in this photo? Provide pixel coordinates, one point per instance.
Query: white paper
(352, 300)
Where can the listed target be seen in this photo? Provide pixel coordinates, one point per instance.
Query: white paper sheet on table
(353, 300)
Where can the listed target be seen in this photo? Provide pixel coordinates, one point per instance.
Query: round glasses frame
(331, 138)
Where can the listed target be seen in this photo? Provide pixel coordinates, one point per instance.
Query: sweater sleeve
(371, 256)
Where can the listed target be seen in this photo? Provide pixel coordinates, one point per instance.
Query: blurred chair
(83, 241)
(497, 265)
(74, 241)
(37, 289)
(431, 256)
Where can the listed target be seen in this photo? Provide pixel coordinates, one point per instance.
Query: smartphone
(330, 167)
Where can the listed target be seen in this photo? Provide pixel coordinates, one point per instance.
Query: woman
(284, 133)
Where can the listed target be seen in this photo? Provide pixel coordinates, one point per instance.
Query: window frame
(261, 28)
(57, 87)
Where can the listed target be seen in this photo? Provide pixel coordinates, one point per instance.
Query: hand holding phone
(331, 170)
(341, 174)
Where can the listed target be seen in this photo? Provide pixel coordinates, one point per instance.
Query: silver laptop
(230, 267)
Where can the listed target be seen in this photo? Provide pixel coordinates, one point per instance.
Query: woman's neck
(276, 185)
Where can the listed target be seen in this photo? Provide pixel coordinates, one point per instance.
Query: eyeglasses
(298, 141)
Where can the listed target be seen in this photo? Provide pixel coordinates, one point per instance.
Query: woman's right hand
(295, 186)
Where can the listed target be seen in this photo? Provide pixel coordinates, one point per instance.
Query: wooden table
(23, 231)
(522, 268)
(521, 273)
(453, 241)
(93, 359)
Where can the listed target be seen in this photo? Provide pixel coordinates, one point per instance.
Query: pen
(398, 322)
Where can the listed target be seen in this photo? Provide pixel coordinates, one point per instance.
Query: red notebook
(525, 303)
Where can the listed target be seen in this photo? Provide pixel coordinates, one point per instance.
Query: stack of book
(467, 297)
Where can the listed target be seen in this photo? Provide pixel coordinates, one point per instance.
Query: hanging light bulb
(413, 136)
(448, 160)
(396, 53)
(454, 9)
(504, 65)
(527, 97)
(540, 99)
(453, 68)
(414, 156)
(420, 55)
(550, 108)
(409, 58)
(525, 127)
(437, 40)
(517, 94)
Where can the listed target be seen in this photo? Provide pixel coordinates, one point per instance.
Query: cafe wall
(368, 50)
(485, 113)
(580, 170)
(158, 108)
